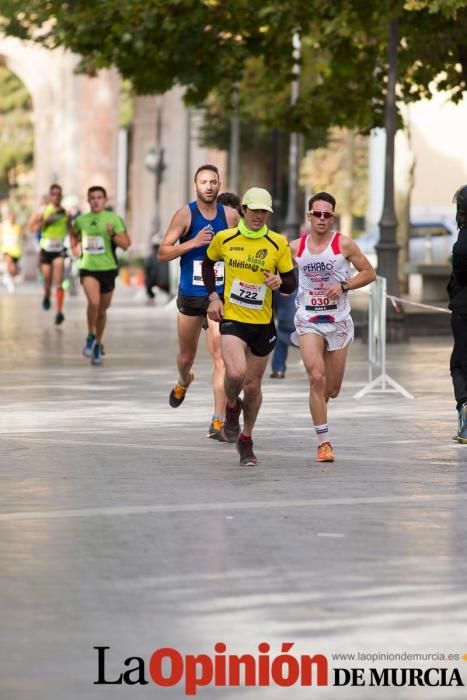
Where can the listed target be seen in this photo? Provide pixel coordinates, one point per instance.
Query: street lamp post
(387, 247)
(154, 162)
(234, 149)
(292, 223)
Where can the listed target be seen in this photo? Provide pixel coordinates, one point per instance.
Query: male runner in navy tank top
(323, 323)
(188, 236)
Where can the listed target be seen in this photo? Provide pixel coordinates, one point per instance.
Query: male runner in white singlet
(323, 323)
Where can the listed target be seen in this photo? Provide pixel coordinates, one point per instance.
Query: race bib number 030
(317, 301)
(198, 277)
(94, 245)
(250, 296)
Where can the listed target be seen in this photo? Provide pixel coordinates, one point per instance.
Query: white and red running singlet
(316, 274)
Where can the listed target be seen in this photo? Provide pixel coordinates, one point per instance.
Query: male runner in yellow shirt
(257, 261)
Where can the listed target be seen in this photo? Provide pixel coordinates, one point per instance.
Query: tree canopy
(207, 45)
(16, 140)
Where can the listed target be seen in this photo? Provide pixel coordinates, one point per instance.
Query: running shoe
(231, 429)
(59, 318)
(277, 375)
(177, 395)
(46, 303)
(325, 453)
(96, 358)
(215, 430)
(89, 345)
(245, 450)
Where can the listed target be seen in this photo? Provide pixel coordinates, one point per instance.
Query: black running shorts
(192, 306)
(260, 338)
(46, 258)
(106, 278)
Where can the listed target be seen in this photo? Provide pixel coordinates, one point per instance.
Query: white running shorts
(337, 335)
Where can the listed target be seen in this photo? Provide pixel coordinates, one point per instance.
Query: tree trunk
(347, 201)
(404, 182)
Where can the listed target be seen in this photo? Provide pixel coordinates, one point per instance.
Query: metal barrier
(379, 381)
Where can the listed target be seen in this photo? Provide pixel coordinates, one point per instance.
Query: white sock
(322, 431)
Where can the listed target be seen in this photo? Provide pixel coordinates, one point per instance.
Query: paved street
(122, 525)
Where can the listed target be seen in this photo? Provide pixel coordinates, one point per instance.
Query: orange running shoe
(215, 429)
(177, 395)
(325, 453)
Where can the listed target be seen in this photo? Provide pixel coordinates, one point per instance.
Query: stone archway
(75, 118)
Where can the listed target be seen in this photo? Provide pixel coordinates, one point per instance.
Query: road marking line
(180, 449)
(236, 505)
(330, 534)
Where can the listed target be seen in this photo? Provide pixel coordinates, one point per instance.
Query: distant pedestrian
(284, 311)
(156, 274)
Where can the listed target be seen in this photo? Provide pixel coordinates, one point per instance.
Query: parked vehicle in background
(430, 242)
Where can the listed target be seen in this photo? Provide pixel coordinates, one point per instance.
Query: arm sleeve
(289, 282)
(209, 277)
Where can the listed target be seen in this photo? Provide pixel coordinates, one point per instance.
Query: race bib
(198, 277)
(315, 300)
(94, 245)
(250, 296)
(52, 245)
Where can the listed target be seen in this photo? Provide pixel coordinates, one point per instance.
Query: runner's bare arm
(352, 252)
(121, 240)
(232, 217)
(365, 272)
(294, 247)
(36, 220)
(170, 248)
(75, 242)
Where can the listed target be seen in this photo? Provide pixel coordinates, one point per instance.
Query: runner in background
(230, 199)
(53, 222)
(94, 239)
(11, 249)
(191, 230)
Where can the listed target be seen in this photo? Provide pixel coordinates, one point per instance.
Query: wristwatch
(216, 298)
(345, 286)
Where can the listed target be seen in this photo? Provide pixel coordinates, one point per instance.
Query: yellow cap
(257, 198)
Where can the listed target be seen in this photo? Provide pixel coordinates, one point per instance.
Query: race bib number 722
(250, 296)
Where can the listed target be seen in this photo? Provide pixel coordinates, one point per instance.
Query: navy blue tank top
(191, 281)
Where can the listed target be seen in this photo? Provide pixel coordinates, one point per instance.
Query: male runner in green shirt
(94, 239)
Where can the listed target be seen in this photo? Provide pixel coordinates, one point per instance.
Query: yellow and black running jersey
(246, 298)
